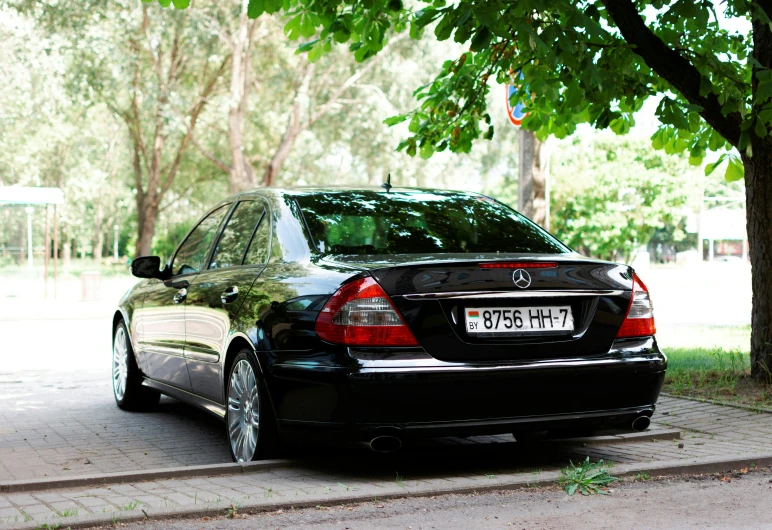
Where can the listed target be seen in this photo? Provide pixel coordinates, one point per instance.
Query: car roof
(297, 191)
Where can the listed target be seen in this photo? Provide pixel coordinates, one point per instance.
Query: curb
(658, 434)
(749, 408)
(667, 468)
(19, 486)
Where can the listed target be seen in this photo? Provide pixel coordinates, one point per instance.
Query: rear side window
(260, 246)
(190, 256)
(236, 235)
(374, 222)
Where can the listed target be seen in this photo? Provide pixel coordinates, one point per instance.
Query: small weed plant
(587, 478)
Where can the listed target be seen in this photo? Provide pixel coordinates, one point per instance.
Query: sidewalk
(713, 437)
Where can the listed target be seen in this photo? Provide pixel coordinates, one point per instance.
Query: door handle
(180, 296)
(177, 284)
(229, 294)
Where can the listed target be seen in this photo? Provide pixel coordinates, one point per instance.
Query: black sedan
(374, 316)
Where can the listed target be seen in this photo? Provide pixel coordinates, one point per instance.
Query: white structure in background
(724, 230)
(29, 198)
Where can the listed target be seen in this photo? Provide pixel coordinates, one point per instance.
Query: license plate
(502, 321)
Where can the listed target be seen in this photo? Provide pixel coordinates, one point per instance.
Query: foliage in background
(611, 194)
(67, 63)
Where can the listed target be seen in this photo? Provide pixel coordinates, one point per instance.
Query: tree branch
(671, 66)
(356, 76)
(196, 109)
(210, 156)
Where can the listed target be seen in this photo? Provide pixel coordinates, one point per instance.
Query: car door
(217, 293)
(161, 320)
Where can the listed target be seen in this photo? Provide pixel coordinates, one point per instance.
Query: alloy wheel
(243, 411)
(120, 362)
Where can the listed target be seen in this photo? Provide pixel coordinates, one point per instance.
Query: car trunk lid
(433, 294)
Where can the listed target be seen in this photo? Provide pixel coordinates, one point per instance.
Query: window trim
(207, 255)
(267, 212)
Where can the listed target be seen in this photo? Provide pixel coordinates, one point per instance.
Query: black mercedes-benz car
(367, 315)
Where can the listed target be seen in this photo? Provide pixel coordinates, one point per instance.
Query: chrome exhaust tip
(641, 423)
(385, 444)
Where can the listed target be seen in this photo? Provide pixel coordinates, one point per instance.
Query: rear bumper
(422, 397)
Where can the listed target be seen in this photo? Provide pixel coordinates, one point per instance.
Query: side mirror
(146, 267)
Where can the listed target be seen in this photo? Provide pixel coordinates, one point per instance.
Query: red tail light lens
(639, 320)
(361, 314)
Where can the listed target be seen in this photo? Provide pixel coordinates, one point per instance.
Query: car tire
(251, 435)
(127, 378)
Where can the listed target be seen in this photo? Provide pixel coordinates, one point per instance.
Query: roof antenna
(387, 185)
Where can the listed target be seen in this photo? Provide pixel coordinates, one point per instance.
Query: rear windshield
(373, 222)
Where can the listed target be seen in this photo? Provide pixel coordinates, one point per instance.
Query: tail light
(639, 320)
(361, 314)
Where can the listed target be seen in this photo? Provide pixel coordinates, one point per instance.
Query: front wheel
(249, 418)
(127, 378)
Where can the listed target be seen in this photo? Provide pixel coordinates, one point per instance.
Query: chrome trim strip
(188, 397)
(529, 419)
(434, 365)
(161, 349)
(510, 294)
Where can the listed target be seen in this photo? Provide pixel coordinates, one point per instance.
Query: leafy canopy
(612, 194)
(584, 61)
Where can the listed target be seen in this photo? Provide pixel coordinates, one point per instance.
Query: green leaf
(415, 124)
(481, 39)
(272, 6)
(307, 46)
(760, 129)
(710, 168)
(316, 53)
(734, 170)
(307, 28)
(393, 120)
(658, 139)
(763, 91)
(292, 28)
(255, 8)
(716, 141)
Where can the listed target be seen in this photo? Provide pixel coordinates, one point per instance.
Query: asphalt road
(737, 501)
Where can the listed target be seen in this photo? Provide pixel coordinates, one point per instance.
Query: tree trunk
(758, 197)
(284, 149)
(146, 219)
(99, 229)
(531, 189)
(294, 128)
(241, 175)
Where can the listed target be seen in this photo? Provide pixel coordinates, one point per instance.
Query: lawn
(714, 374)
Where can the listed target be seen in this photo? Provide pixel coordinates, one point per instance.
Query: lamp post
(29, 210)
(115, 242)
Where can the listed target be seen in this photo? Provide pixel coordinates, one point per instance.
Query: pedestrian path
(710, 433)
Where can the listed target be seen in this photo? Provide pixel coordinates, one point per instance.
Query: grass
(70, 512)
(587, 478)
(714, 374)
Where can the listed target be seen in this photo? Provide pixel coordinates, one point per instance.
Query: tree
(312, 94)
(610, 195)
(591, 62)
(156, 75)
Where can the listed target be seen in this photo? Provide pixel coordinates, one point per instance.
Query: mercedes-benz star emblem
(521, 278)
